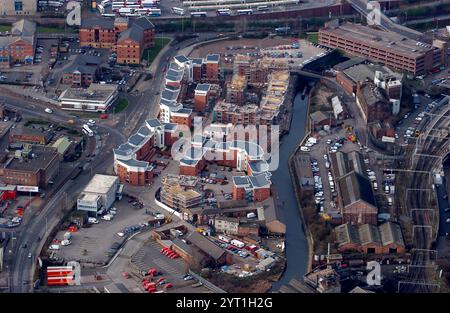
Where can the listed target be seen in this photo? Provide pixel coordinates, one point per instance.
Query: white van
(386, 189)
(48, 110)
(54, 247)
(375, 186)
(390, 201)
(304, 149)
(107, 217)
(92, 220)
(65, 242)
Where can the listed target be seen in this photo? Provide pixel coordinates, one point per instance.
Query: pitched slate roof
(206, 245)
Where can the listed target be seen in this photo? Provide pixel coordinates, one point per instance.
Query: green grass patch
(5, 28)
(54, 30)
(121, 105)
(150, 54)
(313, 37)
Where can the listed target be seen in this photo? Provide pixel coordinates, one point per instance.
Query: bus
(124, 11)
(223, 12)
(178, 11)
(101, 9)
(198, 14)
(108, 15)
(154, 12)
(245, 12)
(262, 8)
(55, 4)
(106, 3)
(87, 130)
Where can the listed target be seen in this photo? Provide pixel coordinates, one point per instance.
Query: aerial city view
(224, 147)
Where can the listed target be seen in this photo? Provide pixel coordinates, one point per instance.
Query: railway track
(425, 158)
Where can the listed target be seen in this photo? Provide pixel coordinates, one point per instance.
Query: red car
(161, 279)
(152, 271)
(104, 116)
(168, 286)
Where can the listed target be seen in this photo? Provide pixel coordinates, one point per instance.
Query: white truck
(224, 238)
(237, 243)
(68, 235)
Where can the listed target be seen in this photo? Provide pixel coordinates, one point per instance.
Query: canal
(296, 243)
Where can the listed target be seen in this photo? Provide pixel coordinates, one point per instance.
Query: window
(18, 5)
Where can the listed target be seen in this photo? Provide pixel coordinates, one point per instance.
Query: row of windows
(12, 48)
(335, 40)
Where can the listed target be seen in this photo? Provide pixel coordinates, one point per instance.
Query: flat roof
(43, 155)
(212, 58)
(95, 92)
(101, 183)
(384, 40)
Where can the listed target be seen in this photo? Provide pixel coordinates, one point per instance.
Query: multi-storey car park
(386, 47)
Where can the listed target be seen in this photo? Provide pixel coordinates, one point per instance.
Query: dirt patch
(321, 99)
(260, 283)
(246, 45)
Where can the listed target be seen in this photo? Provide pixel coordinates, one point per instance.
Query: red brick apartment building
(201, 97)
(132, 159)
(82, 72)
(19, 46)
(212, 68)
(127, 38)
(389, 48)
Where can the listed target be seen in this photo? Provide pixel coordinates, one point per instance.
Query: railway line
(425, 157)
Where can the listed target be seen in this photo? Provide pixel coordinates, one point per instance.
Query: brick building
(201, 97)
(18, 7)
(82, 71)
(385, 47)
(128, 38)
(254, 188)
(212, 68)
(19, 45)
(372, 102)
(131, 159)
(387, 238)
(34, 166)
(356, 200)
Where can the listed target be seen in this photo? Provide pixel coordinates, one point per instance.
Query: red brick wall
(197, 73)
(345, 82)
(188, 170)
(261, 194)
(106, 38)
(169, 138)
(182, 120)
(129, 52)
(19, 50)
(238, 193)
(149, 38)
(200, 102)
(212, 72)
